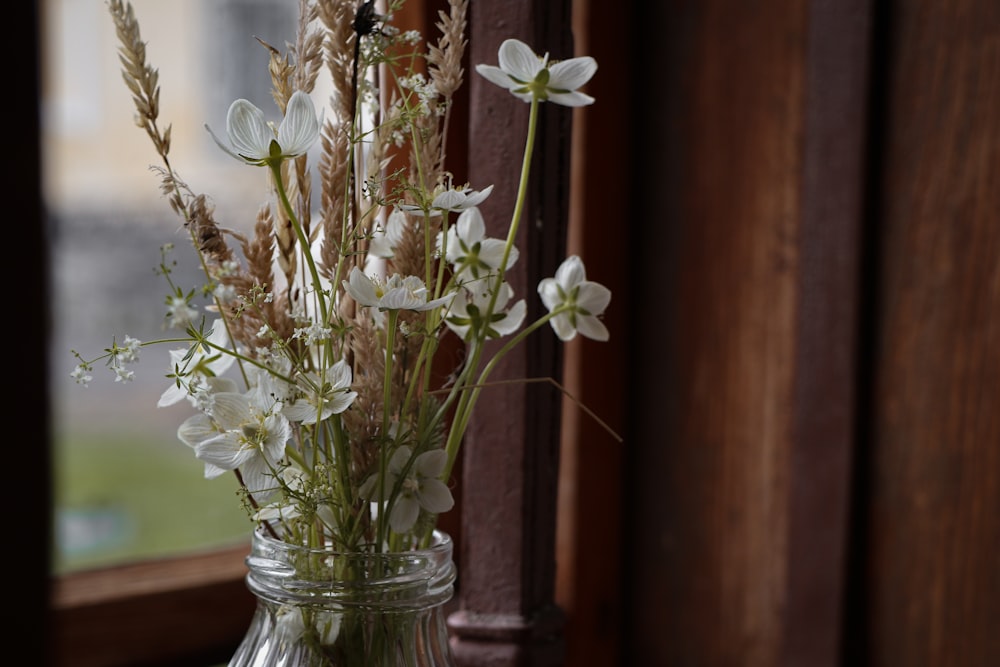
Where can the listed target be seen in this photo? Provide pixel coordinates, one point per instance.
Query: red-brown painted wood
(507, 613)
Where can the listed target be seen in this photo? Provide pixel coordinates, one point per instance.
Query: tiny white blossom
(123, 374)
(527, 75)
(129, 351)
(314, 333)
(81, 376)
(203, 361)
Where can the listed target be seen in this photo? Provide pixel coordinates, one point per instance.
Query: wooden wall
(812, 223)
(928, 570)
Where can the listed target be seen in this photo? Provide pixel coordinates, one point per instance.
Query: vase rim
(293, 574)
(441, 542)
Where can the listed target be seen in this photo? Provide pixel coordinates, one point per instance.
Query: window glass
(125, 487)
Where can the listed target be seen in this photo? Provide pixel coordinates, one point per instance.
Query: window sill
(191, 610)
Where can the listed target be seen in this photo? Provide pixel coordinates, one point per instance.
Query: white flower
(454, 199)
(128, 353)
(123, 374)
(248, 434)
(470, 251)
(582, 300)
(527, 75)
(324, 396)
(314, 333)
(459, 199)
(466, 312)
(254, 141)
(397, 293)
(197, 364)
(420, 487)
(80, 375)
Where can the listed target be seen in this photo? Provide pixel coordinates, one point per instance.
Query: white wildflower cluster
(117, 357)
(424, 90)
(312, 381)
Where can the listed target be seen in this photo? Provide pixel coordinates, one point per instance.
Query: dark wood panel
(745, 347)
(832, 252)
(933, 575)
(715, 367)
(592, 547)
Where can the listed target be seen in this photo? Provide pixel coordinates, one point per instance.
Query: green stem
(470, 395)
(468, 399)
(390, 337)
(522, 190)
(303, 240)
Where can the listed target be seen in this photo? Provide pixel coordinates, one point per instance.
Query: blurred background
(125, 487)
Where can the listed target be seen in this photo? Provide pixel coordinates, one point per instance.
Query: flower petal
(513, 319)
(248, 131)
(519, 60)
(231, 410)
(224, 452)
(299, 129)
(470, 226)
(196, 429)
(476, 197)
(550, 292)
(563, 326)
(435, 496)
(431, 464)
(491, 253)
(404, 514)
(592, 328)
(574, 99)
(497, 76)
(593, 297)
(361, 288)
(571, 272)
(569, 75)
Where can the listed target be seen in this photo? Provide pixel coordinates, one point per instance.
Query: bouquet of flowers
(307, 355)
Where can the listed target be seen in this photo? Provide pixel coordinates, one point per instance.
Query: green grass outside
(121, 497)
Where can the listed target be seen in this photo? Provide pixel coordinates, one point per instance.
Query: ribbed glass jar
(319, 608)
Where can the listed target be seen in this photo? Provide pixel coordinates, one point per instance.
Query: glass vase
(318, 607)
